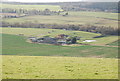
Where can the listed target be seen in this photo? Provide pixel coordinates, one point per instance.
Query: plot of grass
(104, 40)
(89, 20)
(42, 32)
(29, 7)
(95, 14)
(17, 45)
(39, 67)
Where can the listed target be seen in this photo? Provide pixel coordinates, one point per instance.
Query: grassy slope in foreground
(39, 67)
(17, 45)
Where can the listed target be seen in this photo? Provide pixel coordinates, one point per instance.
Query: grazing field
(43, 32)
(29, 7)
(42, 67)
(38, 32)
(72, 18)
(17, 45)
(105, 15)
(22, 59)
(76, 17)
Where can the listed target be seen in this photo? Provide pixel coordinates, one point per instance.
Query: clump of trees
(31, 11)
(88, 28)
(72, 40)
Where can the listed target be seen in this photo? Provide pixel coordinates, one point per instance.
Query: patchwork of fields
(24, 60)
(73, 18)
(79, 17)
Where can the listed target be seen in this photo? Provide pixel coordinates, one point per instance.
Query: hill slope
(17, 45)
(39, 67)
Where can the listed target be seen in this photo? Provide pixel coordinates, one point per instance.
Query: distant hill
(78, 6)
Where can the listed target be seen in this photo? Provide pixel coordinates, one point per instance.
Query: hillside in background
(79, 6)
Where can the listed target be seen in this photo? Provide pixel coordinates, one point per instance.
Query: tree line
(31, 12)
(87, 28)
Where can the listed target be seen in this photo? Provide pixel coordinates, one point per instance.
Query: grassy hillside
(73, 18)
(77, 17)
(42, 32)
(37, 32)
(32, 67)
(29, 7)
(17, 45)
(96, 14)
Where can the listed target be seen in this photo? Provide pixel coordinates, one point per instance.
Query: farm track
(100, 45)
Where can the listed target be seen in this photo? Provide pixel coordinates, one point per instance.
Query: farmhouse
(59, 39)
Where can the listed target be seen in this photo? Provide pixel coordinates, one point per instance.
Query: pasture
(105, 15)
(76, 17)
(17, 45)
(24, 60)
(72, 18)
(44, 67)
(43, 32)
(30, 7)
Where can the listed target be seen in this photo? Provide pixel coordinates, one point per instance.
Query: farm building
(9, 15)
(47, 40)
(60, 39)
(33, 39)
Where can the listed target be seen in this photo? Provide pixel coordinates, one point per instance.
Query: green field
(32, 67)
(30, 7)
(77, 17)
(17, 45)
(96, 14)
(72, 18)
(43, 32)
(22, 59)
